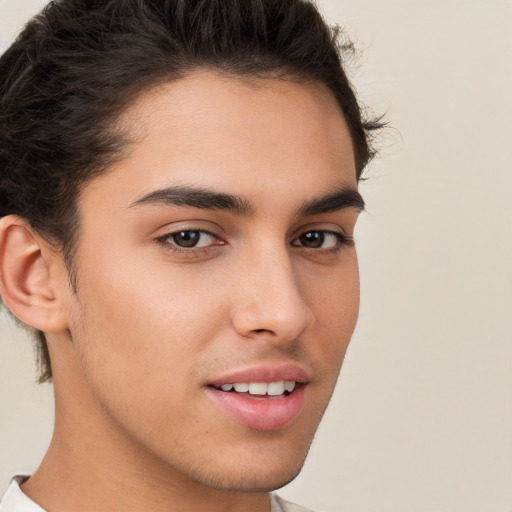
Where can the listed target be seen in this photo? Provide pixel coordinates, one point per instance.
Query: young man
(178, 194)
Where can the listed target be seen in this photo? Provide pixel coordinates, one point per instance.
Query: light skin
(261, 174)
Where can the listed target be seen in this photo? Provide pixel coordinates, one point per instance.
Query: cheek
(138, 342)
(144, 323)
(335, 304)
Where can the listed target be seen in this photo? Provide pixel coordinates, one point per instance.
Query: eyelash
(164, 241)
(343, 240)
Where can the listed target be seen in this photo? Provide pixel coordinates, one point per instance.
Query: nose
(269, 302)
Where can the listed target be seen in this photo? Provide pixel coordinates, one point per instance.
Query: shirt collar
(15, 500)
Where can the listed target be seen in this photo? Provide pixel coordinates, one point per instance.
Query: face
(217, 278)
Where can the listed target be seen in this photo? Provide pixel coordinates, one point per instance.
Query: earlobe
(25, 278)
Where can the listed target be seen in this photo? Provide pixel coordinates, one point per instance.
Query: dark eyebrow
(197, 198)
(337, 200)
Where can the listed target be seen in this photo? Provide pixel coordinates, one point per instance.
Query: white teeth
(258, 388)
(289, 385)
(275, 388)
(261, 388)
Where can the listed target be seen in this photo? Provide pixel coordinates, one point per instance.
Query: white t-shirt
(15, 500)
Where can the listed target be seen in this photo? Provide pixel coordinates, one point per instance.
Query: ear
(27, 285)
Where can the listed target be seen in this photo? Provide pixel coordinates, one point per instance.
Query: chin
(252, 483)
(264, 477)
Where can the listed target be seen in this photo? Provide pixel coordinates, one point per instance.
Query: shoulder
(281, 505)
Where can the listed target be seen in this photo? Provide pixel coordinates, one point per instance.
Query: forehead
(238, 135)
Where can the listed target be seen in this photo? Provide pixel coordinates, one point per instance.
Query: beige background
(422, 419)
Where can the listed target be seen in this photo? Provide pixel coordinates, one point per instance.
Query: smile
(268, 397)
(278, 388)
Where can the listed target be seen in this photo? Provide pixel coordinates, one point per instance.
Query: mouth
(260, 390)
(264, 398)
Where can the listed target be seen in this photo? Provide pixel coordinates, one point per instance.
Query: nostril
(260, 331)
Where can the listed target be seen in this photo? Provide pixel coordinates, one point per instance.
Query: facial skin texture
(152, 327)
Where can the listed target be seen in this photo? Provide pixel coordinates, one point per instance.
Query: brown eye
(191, 238)
(312, 239)
(320, 240)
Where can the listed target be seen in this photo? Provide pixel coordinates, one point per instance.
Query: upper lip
(264, 373)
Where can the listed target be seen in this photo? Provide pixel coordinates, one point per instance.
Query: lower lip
(261, 413)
